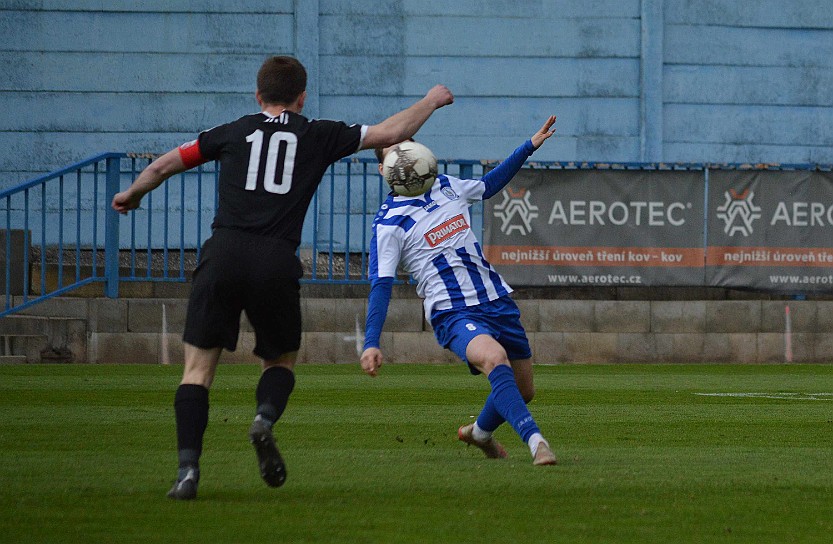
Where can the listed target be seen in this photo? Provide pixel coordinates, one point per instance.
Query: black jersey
(270, 168)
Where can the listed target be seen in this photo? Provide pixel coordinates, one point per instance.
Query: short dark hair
(281, 80)
(379, 151)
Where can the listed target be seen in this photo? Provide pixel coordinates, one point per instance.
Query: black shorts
(242, 271)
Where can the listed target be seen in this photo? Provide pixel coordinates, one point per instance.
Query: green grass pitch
(661, 453)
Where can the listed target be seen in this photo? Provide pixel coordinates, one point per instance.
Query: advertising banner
(770, 230)
(598, 227)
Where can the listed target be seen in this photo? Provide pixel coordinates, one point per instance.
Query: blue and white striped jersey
(431, 237)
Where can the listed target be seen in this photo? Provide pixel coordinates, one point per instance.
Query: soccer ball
(410, 169)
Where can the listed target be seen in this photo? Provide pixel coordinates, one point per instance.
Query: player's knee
(494, 358)
(490, 362)
(286, 360)
(197, 377)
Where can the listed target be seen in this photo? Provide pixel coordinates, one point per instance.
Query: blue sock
(508, 402)
(489, 418)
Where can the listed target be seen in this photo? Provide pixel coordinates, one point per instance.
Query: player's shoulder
(240, 122)
(326, 121)
(453, 187)
(392, 213)
(449, 179)
(330, 124)
(386, 208)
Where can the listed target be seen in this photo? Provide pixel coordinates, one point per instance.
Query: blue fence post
(466, 171)
(111, 229)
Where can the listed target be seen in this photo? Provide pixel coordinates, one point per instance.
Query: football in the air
(410, 169)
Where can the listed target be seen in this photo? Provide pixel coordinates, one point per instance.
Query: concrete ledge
(65, 337)
(145, 315)
(733, 316)
(824, 317)
(823, 348)
(565, 316)
(730, 348)
(585, 347)
(530, 315)
(57, 307)
(331, 315)
(803, 315)
(622, 316)
(419, 346)
(28, 347)
(679, 317)
(548, 347)
(13, 360)
(636, 347)
(326, 347)
(680, 347)
(134, 348)
(560, 331)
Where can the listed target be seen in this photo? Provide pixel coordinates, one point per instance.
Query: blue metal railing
(61, 233)
(55, 218)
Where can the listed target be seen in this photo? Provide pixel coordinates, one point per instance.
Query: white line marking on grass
(778, 396)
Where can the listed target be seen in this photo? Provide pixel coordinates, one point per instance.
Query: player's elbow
(158, 170)
(166, 166)
(384, 135)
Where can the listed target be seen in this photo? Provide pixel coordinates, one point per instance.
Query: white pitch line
(776, 396)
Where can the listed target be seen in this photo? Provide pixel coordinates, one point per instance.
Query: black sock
(273, 390)
(191, 407)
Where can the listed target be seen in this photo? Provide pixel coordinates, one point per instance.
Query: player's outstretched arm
(503, 173)
(149, 179)
(543, 133)
(371, 361)
(403, 125)
(377, 309)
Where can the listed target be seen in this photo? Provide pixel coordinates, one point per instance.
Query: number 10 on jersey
(273, 144)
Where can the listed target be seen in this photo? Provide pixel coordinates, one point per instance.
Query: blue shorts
(500, 319)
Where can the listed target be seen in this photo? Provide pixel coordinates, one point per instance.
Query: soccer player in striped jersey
(465, 299)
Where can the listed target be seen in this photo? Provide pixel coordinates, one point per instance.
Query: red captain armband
(190, 154)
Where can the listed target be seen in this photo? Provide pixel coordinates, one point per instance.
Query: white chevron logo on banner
(738, 212)
(516, 204)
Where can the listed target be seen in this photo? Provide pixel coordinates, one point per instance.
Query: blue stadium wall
(630, 80)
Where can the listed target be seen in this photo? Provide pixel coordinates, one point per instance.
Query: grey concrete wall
(560, 331)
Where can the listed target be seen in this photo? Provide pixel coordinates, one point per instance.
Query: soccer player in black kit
(270, 166)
